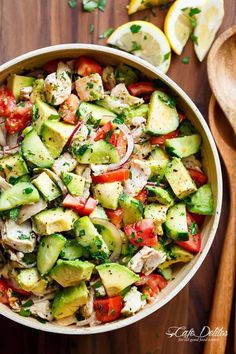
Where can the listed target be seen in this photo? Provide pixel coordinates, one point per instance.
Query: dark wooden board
(29, 24)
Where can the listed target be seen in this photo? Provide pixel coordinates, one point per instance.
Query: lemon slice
(209, 21)
(138, 5)
(178, 26)
(144, 40)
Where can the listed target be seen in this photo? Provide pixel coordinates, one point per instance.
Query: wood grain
(29, 24)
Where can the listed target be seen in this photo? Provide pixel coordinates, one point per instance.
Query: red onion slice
(73, 134)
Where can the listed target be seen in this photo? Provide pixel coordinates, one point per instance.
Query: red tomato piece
(141, 88)
(160, 140)
(121, 144)
(3, 291)
(115, 216)
(20, 118)
(113, 176)
(85, 66)
(101, 133)
(197, 217)
(69, 108)
(108, 309)
(51, 66)
(153, 285)
(141, 233)
(199, 177)
(75, 203)
(7, 102)
(142, 196)
(89, 207)
(194, 243)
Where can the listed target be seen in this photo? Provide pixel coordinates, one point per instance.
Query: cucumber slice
(20, 194)
(202, 201)
(35, 151)
(162, 117)
(176, 223)
(183, 146)
(97, 115)
(72, 250)
(133, 209)
(166, 273)
(48, 252)
(99, 152)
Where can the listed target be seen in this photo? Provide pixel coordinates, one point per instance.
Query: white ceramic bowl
(211, 163)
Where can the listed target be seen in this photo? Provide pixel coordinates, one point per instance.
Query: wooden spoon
(221, 66)
(224, 285)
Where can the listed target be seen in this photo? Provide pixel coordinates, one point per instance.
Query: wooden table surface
(29, 24)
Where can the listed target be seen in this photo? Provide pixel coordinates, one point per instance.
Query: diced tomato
(160, 140)
(199, 177)
(85, 66)
(3, 291)
(20, 118)
(197, 217)
(182, 117)
(141, 88)
(141, 233)
(69, 108)
(103, 131)
(113, 139)
(51, 66)
(113, 176)
(142, 196)
(80, 204)
(194, 243)
(121, 144)
(108, 309)
(154, 283)
(115, 216)
(89, 207)
(7, 102)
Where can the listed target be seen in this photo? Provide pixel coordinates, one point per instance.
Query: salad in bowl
(103, 193)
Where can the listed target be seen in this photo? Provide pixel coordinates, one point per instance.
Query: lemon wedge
(144, 40)
(138, 5)
(209, 21)
(180, 21)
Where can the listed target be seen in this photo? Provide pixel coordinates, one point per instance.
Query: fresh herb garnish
(81, 232)
(118, 120)
(82, 149)
(91, 28)
(135, 46)
(185, 60)
(24, 312)
(67, 179)
(35, 113)
(143, 297)
(72, 3)
(28, 190)
(135, 28)
(91, 5)
(170, 101)
(193, 228)
(108, 135)
(28, 303)
(166, 56)
(13, 213)
(194, 38)
(22, 236)
(106, 33)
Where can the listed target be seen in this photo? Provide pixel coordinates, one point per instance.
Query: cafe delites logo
(182, 333)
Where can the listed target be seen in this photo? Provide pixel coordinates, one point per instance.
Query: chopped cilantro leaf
(166, 56)
(193, 228)
(28, 190)
(91, 28)
(72, 3)
(135, 28)
(185, 60)
(135, 46)
(106, 33)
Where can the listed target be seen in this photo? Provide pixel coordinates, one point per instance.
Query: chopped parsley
(185, 60)
(118, 120)
(67, 179)
(82, 149)
(194, 38)
(91, 28)
(24, 312)
(28, 303)
(166, 56)
(193, 228)
(35, 113)
(72, 3)
(9, 167)
(90, 85)
(108, 135)
(28, 190)
(106, 33)
(135, 28)
(22, 236)
(81, 232)
(13, 213)
(143, 297)
(91, 5)
(135, 46)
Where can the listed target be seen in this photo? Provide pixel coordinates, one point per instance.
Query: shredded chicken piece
(108, 78)
(66, 321)
(25, 92)
(42, 309)
(87, 309)
(138, 134)
(4, 185)
(192, 162)
(146, 260)
(137, 121)
(140, 173)
(88, 180)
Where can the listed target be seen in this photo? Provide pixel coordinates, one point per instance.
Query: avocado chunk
(160, 195)
(98, 152)
(42, 112)
(166, 273)
(88, 237)
(162, 117)
(30, 280)
(48, 252)
(176, 223)
(108, 194)
(183, 146)
(69, 300)
(74, 183)
(178, 255)
(98, 212)
(179, 179)
(201, 202)
(18, 82)
(54, 220)
(20, 194)
(70, 273)
(13, 166)
(46, 187)
(97, 115)
(157, 213)
(158, 162)
(55, 136)
(133, 209)
(72, 250)
(125, 74)
(38, 93)
(116, 277)
(34, 151)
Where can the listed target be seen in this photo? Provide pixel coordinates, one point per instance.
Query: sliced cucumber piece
(176, 223)
(202, 201)
(162, 117)
(133, 209)
(48, 252)
(20, 194)
(96, 114)
(98, 152)
(72, 250)
(35, 151)
(183, 146)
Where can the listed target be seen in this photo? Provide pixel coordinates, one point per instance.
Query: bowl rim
(29, 322)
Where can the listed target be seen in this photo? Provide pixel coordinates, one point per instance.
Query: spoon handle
(224, 285)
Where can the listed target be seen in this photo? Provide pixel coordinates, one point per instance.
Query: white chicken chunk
(42, 309)
(192, 162)
(64, 163)
(146, 260)
(58, 85)
(137, 121)
(133, 302)
(19, 237)
(140, 173)
(87, 309)
(121, 93)
(29, 210)
(90, 88)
